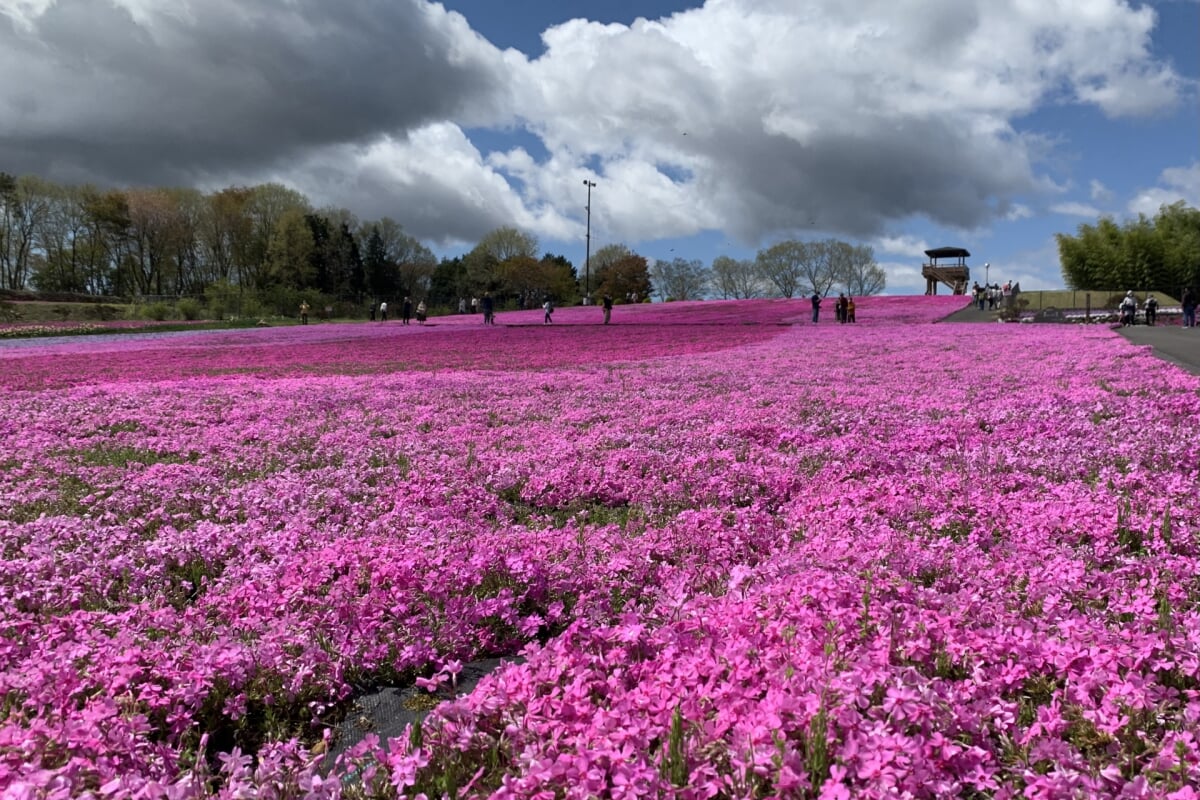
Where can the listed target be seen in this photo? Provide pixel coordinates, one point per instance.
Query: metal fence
(1071, 300)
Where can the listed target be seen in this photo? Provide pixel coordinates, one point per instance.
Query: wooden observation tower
(955, 275)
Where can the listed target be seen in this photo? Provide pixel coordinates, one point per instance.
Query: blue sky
(711, 129)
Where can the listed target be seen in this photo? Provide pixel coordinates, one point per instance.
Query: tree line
(1160, 254)
(271, 248)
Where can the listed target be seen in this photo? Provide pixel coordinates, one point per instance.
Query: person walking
(303, 313)
(816, 305)
(1151, 309)
(1189, 308)
(406, 310)
(383, 311)
(608, 304)
(548, 307)
(488, 306)
(849, 309)
(1128, 309)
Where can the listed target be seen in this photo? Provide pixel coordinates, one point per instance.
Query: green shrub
(223, 300)
(190, 309)
(157, 311)
(251, 308)
(102, 312)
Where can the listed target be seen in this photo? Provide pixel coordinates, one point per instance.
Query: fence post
(1087, 313)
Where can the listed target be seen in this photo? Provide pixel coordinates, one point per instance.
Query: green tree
(623, 277)
(71, 255)
(289, 262)
(1178, 227)
(562, 280)
(108, 225)
(600, 260)
(736, 279)
(784, 265)
(265, 206)
(24, 206)
(448, 282)
(380, 273)
(490, 261)
(1157, 254)
(856, 270)
(527, 282)
(508, 243)
(680, 279)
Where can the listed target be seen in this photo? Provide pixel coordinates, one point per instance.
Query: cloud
(1034, 269)
(840, 120)
(168, 90)
(1073, 209)
(1175, 184)
(1100, 192)
(1018, 211)
(905, 245)
(905, 278)
(760, 118)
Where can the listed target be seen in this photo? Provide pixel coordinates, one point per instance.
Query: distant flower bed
(739, 557)
(32, 329)
(25, 330)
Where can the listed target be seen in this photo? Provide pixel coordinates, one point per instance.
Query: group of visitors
(843, 308)
(406, 311)
(1129, 307)
(992, 296)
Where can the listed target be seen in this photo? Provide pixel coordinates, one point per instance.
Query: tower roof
(947, 252)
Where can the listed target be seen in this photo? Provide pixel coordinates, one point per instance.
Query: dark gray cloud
(220, 86)
(858, 182)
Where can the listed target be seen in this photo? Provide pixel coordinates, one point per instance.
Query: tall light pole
(987, 268)
(587, 258)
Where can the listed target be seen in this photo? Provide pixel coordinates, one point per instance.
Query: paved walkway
(1173, 343)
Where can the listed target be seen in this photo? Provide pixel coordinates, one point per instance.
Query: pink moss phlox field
(740, 555)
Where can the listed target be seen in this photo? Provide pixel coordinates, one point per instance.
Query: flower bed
(740, 557)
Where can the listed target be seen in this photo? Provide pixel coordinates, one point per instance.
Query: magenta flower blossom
(735, 557)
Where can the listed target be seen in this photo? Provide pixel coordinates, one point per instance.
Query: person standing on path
(1151, 309)
(406, 311)
(1189, 308)
(421, 313)
(816, 305)
(488, 306)
(849, 309)
(608, 304)
(383, 311)
(303, 313)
